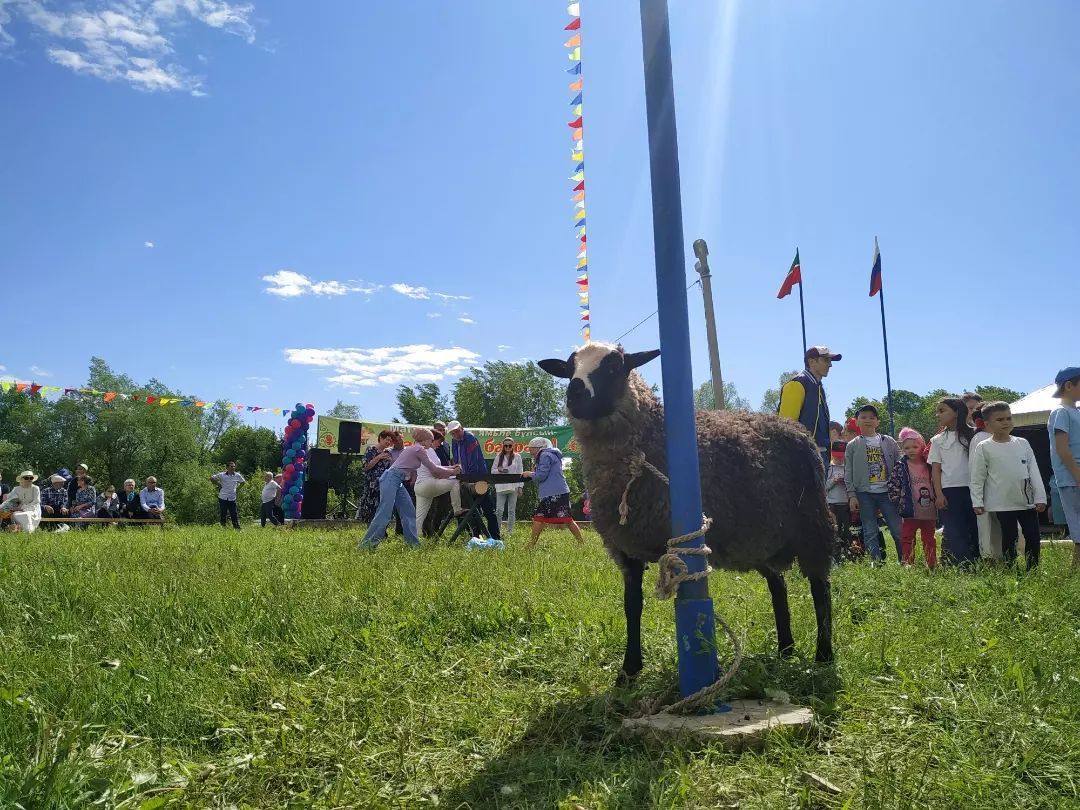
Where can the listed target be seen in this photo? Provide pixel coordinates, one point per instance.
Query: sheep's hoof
(787, 651)
(824, 657)
(625, 678)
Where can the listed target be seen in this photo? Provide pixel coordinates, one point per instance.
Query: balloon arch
(294, 458)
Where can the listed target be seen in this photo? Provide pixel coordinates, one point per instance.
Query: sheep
(761, 483)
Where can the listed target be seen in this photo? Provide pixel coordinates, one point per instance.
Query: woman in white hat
(24, 504)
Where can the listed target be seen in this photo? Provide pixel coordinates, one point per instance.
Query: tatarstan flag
(794, 276)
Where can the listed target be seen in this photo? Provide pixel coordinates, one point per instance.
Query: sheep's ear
(637, 359)
(556, 368)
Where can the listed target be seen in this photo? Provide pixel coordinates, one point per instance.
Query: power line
(647, 317)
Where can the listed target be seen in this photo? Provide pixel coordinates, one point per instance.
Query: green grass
(286, 669)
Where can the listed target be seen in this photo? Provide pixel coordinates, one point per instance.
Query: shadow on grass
(570, 748)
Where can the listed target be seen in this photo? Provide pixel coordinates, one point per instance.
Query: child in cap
(1064, 429)
(912, 488)
(1005, 480)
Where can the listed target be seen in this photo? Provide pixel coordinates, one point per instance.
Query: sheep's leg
(822, 593)
(633, 601)
(778, 590)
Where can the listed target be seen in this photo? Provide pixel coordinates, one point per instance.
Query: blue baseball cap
(1064, 376)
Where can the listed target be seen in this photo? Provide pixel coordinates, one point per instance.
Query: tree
(423, 404)
(992, 393)
(770, 403)
(509, 395)
(344, 411)
(705, 398)
(253, 449)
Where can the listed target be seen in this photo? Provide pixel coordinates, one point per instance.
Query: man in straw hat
(23, 504)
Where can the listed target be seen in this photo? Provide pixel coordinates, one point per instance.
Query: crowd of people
(976, 480)
(75, 497)
(406, 480)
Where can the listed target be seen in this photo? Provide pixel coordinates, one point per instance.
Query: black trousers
(228, 509)
(842, 514)
(267, 512)
(279, 513)
(1028, 520)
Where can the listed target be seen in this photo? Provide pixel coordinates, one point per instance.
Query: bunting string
(577, 157)
(32, 388)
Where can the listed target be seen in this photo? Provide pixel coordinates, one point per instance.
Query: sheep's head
(598, 377)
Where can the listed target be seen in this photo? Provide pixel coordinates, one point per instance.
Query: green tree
(509, 395)
(993, 393)
(343, 411)
(770, 403)
(423, 404)
(705, 397)
(251, 448)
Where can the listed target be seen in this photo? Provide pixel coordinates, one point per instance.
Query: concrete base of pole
(746, 726)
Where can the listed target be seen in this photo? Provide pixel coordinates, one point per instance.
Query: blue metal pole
(694, 619)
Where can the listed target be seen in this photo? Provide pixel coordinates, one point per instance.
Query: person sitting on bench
(152, 500)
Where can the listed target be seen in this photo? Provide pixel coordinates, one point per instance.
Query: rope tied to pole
(673, 572)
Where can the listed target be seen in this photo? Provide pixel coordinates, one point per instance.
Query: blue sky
(168, 162)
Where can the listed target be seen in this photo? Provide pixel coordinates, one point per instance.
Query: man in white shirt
(269, 494)
(227, 483)
(1005, 481)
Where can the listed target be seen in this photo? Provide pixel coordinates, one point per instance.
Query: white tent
(1034, 409)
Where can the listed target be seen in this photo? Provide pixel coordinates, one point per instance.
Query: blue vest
(815, 410)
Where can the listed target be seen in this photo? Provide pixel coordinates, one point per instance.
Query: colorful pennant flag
(577, 156)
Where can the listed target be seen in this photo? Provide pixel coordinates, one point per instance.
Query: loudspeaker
(318, 465)
(314, 506)
(349, 437)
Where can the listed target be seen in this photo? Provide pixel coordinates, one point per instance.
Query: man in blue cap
(1064, 429)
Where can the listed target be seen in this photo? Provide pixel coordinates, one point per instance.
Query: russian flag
(875, 272)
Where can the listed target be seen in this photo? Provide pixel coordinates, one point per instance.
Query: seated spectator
(81, 471)
(4, 488)
(152, 500)
(54, 499)
(85, 498)
(129, 504)
(23, 503)
(108, 504)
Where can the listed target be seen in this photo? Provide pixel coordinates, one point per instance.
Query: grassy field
(284, 669)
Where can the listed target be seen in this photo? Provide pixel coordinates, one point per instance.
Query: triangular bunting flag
(577, 101)
(35, 388)
(580, 167)
(578, 178)
(580, 214)
(573, 42)
(577, 155)
(575, 70)
(151, 400)
(20, 387)
(581, 185)
(577, 134)
(576, 110)
(576, 123)
(110, 396)
(579, 204)
(575, 87)
(578, 196)
(574, 25)
(574, 9)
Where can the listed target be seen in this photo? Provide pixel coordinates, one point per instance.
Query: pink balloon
(289, 468)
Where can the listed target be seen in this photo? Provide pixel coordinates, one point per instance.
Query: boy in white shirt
(989, 528)
(1005, 480)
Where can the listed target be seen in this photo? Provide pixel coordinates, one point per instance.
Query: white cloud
(260, 382)
(125, 40)
(3, 368)
(391, 365)
(40, 372)
(434, 314)
(424, 294)
(290, 284)
(148, 244)
(503, 348)
(466, 319)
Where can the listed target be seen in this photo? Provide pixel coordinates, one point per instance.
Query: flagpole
(885, 341)
(802, 310)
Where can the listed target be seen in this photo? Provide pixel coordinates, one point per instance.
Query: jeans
(1029, 523)
(507, 501)
(961, 528)
(869, 504)
(266, 512)
(228, 509)
(1070, 505)
(392, 493)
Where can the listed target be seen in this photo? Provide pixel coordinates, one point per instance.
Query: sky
(270, 202)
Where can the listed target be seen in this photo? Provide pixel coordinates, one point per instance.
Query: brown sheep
(761, 483)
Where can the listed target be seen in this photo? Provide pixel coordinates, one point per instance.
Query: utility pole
(701, 250)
